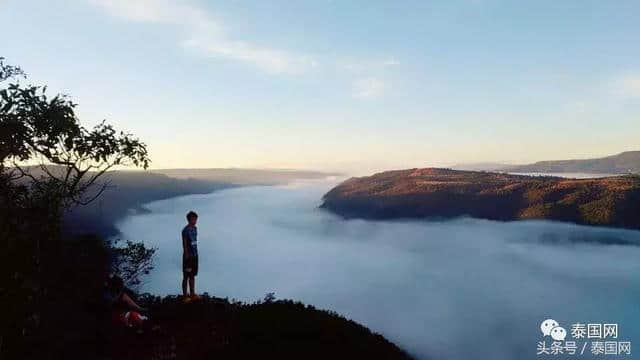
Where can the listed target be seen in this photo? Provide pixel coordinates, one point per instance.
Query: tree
(49, 162)
(45, 133)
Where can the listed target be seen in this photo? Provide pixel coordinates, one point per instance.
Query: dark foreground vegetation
(52, 282)
(215, 328)
(71, 321)
(420, 193)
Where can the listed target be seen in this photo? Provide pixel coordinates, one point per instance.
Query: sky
(353, 86)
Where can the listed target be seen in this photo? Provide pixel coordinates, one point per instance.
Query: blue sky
(342, 85)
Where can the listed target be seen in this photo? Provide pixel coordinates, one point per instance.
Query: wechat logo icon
(551, 328)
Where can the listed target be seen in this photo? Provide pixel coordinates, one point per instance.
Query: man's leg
(192, 285)
(192, 276)
(184, 283)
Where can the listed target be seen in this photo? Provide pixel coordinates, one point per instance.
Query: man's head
(192, 218)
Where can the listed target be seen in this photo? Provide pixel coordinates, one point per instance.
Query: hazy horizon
(354, 86)
(359, 171)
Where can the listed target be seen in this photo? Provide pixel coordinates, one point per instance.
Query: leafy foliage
(48, 163)
(38, 130)
(9, 71)
(131, 262)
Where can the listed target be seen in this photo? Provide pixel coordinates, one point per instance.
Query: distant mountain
(244, 176)
(432, 192)
(623, 163)
(129, 190)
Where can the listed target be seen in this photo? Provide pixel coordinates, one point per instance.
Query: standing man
(190, 257)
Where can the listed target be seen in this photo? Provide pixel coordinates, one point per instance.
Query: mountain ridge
(436, 192)
(622, 163)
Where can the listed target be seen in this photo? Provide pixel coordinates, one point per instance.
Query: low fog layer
(456, 289)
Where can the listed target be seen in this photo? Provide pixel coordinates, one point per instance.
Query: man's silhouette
(190, 257)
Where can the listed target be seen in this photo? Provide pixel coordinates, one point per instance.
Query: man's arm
(130, 303)
(185, 247)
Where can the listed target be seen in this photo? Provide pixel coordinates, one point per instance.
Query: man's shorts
(190, 265)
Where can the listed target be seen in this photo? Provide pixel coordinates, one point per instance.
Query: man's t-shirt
(191, 234)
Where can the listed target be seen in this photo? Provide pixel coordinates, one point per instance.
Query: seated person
(124, 310)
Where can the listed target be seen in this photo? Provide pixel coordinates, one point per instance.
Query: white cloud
(206, 34)
(391, 62)
(368, 88)
(362, 66)
(627, 85)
